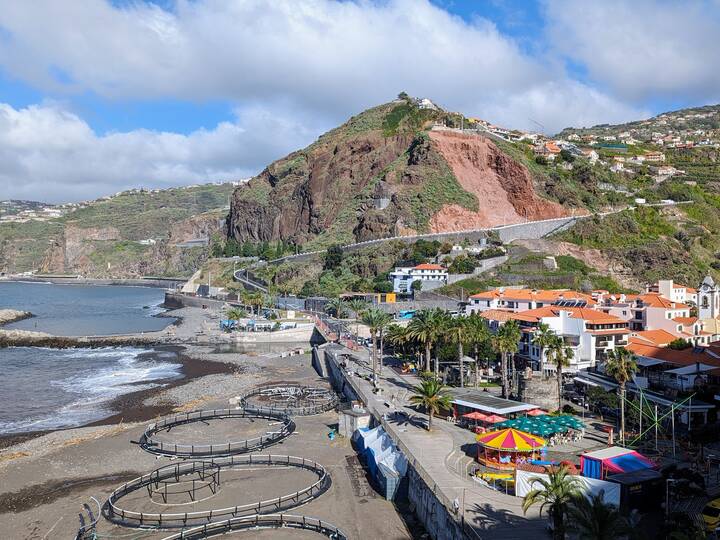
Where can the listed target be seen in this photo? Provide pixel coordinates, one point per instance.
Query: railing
(261, 522)
(145, 519)
(151, 445)
(329, 402)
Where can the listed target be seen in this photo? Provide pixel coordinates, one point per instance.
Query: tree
(594, 519)
(506, 343)
(560, 355)
(335, 307)
(554, 494)
(235, 314)
(383, 321)
(374, 318)
(458, 331)
(416, 286)
(333, 258)
(543, 338)
(478, 335)
(255, 300)
(431, 395)
(398, 336)
(621, 365)
(425, 327)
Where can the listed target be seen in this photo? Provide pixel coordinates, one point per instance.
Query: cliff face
(303, 195)
(377, 176)
(503, 187)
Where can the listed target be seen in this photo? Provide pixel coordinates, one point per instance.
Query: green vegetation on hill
(150, 214)
(124, 220)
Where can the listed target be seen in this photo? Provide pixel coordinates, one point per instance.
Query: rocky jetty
(12, 315)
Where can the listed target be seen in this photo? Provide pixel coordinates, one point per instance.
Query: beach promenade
(439, 458)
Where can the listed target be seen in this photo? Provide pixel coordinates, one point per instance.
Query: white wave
(116, 371)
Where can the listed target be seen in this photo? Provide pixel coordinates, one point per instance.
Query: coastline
(131, 408)
(150, 281)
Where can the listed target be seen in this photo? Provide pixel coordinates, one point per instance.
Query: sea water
(43, 388)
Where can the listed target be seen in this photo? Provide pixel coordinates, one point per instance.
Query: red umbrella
(475, 415)
(495, 419)
(536, 412)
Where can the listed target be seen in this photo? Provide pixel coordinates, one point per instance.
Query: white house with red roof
(674, 292)
(589, 333)
(431, 276)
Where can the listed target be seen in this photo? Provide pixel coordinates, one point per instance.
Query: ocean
(44, 388)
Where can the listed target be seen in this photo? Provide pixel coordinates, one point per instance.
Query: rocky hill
(134, 233)
(387, 172)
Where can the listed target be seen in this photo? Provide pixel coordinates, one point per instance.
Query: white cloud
(49, 154)
(333, 58)
(313, 62)
(642, 49)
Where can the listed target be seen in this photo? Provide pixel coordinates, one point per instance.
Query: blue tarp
(630, 463)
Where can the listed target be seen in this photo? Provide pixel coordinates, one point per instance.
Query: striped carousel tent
(511, 440)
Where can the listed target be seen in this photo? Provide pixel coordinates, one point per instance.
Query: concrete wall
(177, 301)
(436, 518)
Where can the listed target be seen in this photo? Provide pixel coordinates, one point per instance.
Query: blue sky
(101, 96)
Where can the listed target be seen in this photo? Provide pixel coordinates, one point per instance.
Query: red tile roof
(427, 266)
(590, 315)
(684, 357)
(658, 338)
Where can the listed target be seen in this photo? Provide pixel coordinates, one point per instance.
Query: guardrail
(153, 446)
(330, 398)
(146, 519)
(267, 521)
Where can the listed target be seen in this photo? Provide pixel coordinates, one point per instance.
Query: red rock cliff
(504, 187)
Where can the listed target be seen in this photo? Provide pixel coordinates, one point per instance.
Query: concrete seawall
(431, 507)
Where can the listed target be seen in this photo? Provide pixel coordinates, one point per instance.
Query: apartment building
(589, 334)
(522, 299)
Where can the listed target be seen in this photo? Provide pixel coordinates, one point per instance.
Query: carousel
(505, 448)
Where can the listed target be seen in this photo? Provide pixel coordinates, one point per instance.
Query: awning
(691, 369)
(646, 361)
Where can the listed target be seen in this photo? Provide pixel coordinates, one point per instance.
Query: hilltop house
(430, 276)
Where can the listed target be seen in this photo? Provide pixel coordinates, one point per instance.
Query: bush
(333, 258)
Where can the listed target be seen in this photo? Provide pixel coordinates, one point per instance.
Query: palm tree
(235, 314)
(432, 395)
(543, 338)
(373, 318)
(621, 364)
(506, 343)
(556, 494)
(335, 307)
(560, 355)
(458, 331)
(383, 321)
(478, 335)
(255, 300)
(594, 519)
(425, 326)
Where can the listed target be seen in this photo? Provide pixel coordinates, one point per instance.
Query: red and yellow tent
(501, 446)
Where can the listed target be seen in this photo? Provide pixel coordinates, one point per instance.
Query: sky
(98, 96)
